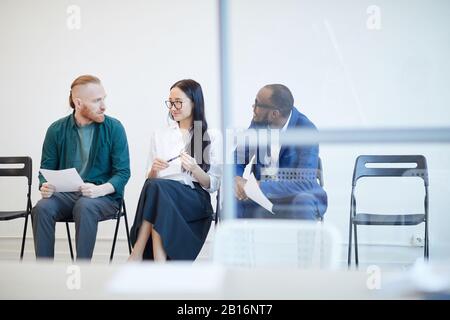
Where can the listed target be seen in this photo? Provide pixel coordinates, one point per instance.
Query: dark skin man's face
(261, 114)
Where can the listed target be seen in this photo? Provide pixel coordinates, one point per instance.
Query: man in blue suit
(286, 174)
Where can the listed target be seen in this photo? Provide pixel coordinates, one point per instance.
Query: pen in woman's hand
(171, 159)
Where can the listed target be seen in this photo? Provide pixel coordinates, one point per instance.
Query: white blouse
(167, 143)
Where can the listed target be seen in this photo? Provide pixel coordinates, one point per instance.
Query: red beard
(91, 115)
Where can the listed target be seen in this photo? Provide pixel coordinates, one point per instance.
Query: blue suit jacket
(303, 158)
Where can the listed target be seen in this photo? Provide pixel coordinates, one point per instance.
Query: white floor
(389, 258)
(10, 249)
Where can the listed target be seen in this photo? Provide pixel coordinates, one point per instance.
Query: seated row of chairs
(240, 239)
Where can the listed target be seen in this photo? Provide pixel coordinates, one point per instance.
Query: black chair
(217, 213)
(319, 177)
(27, 172)
(122, 212)
(319, 174)
(361, 170)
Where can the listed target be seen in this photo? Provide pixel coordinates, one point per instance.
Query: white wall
(342, 75)
(138, 49)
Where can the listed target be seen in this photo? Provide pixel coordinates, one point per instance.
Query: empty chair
(362, 170)
(24, 171)
(276, 243)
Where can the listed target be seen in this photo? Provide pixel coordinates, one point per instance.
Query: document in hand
(173, 169)
(254, 192)
(67, 180)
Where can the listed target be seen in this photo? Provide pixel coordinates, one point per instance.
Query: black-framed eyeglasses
(178, 104)
(265, 106)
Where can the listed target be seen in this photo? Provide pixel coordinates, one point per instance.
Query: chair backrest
(362, 170)
(319, 177)
(218, 207)
(320, 172)
(25, 171)
(276, 243)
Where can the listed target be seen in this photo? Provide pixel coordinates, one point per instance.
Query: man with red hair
(96, 146)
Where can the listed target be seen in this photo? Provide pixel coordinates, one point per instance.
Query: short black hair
(281, 98)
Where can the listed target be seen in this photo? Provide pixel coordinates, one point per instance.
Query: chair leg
(23, 238)
(356, 247)
(128, 232)
(426, 246)
(70, 241)
(114, 239)
(349, 254)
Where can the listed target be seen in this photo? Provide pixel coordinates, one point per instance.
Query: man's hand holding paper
(67, 180)
(47, 190)
(92, 191)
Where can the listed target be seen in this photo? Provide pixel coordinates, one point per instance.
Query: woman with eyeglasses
(174, 212)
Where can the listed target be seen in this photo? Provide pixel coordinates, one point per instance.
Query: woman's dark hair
(194, 92)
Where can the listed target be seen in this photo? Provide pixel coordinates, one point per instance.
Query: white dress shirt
(169, 142)
(275, 147)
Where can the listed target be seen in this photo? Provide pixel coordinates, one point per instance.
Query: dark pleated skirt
(181, 215)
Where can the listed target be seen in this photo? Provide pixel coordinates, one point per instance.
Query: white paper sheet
(67, 180)
(173, 169)
(254, 192)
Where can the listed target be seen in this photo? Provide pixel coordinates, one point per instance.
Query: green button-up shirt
(109, 159)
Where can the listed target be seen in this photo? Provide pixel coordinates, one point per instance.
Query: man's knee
(45, 209)
(243, 209)
(304, 198)
(305, 206)
(85, 207)
(249, 209)
(240, 208)
(302, 206)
